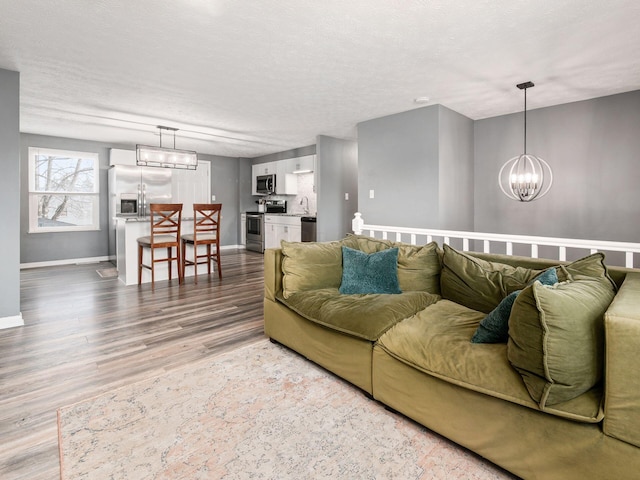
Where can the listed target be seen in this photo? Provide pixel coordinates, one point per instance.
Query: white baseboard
(230, 247)
(68, 261)
(10, 322)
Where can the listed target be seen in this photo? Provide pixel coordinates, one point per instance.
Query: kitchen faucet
(306, 209)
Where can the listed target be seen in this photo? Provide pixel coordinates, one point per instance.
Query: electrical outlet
(371, 194)
(213, 198)
(346, 196)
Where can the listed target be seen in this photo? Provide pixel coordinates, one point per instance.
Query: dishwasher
(308, 229)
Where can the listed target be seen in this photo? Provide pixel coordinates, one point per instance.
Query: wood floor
(86, 335)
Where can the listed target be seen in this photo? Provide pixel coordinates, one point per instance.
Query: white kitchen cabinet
(264, 168)
(286, 184)
(243, 229)
(304, 164)
(122, 157)
(281, 227)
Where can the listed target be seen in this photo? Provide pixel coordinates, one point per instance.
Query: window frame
(34, 194)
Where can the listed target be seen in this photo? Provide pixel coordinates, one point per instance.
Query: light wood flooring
(85, 335)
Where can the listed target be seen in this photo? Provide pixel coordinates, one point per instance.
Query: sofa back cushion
(310, 266)
(479, 284)
(419, 266)
(556, 337)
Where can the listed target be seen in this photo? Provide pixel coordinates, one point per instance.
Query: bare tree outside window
(64, 190)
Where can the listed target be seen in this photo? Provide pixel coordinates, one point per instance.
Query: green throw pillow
(494, 328)
(479, 284)
(591, 266)
(556, 337)
(364, 273)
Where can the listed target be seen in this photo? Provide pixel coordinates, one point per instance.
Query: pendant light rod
(524, 86)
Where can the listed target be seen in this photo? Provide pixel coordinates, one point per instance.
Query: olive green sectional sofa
(557, 395)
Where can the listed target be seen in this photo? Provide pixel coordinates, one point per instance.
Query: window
(64, 191)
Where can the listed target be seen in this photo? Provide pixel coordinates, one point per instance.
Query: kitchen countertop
(143, 219)
(292, 214)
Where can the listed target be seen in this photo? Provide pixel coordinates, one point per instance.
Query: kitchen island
(128, 230)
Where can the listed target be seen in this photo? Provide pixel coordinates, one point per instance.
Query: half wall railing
(492, 242)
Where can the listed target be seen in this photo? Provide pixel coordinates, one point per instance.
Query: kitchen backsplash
(306, 193)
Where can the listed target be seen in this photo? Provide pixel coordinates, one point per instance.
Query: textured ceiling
(247, 78)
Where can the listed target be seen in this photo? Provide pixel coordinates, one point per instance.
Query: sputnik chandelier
(525, 177)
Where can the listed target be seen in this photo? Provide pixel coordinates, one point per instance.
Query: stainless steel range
(255, 224)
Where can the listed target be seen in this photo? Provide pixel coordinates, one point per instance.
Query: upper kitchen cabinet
(122, 157)
(304, 164)
(286, 182)
(264, 168)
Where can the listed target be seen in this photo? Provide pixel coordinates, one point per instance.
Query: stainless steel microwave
(266, 184)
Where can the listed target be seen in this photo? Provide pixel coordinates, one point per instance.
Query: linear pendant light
(525, 177)
(166, 157)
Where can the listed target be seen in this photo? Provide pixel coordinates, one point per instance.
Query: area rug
(262, 412)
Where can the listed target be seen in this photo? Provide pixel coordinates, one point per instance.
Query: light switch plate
(371, 194)
(346, 196)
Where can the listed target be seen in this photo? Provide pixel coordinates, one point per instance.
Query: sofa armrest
(272, 272)
(622, 370)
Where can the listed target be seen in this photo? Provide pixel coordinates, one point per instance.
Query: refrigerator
(132, 189)
(144, 185)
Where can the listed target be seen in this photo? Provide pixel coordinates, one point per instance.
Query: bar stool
(165, 233)
(206, 231)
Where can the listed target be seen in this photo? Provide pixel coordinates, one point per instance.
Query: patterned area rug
(260, 412)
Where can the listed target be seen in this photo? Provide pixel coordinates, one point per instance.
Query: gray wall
(10, 193)
(293, 153)
(456, 166)
(59, 246)
(593, 149)
(226, 185)
(398, 159)
(420, 165)
(54, 246)
(336, 174)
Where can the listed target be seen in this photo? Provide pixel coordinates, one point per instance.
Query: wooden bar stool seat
(166, 219)
(206, 232)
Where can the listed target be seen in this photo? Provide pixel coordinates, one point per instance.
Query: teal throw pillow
(494, 328)
(369, 273)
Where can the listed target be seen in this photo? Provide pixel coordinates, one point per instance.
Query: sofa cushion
(494, 328)
(556, 337)
(310, 266)
(436, 341)
(419, 266)
(363, 316)
(364, 273)
(479, 284)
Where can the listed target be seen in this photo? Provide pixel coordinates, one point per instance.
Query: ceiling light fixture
(166, 157)
(525, 177)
